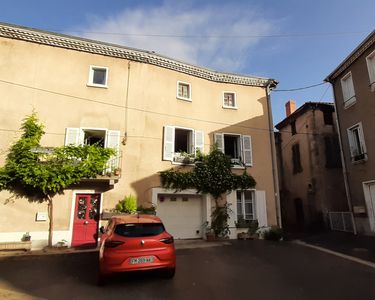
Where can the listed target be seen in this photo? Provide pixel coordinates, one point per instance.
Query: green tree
(212, 175)
(41, 173)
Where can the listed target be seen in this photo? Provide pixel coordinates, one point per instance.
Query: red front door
(86, 219)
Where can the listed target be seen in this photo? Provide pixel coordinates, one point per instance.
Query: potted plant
(209, 232)
(117, 171)
(26, 237)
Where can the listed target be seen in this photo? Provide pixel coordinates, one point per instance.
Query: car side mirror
(101, 229)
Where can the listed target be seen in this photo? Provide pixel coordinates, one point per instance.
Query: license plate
(141, 260)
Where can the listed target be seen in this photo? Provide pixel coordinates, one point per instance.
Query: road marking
(348, 257)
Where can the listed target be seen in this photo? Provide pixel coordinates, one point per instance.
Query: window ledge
(104, 86)
(184, 99)
(350, 102)
(359, 161)
(230, 107)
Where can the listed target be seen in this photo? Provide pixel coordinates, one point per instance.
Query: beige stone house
(151, 109)
(353, 84)
(311, 181)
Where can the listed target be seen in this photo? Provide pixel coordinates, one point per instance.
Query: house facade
(353, 83)
(152, 109)
(311, 180)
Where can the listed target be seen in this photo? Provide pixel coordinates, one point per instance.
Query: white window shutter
(113, 140)
(168, 150)
(261, 208)
(247, 150)
(351, 143)
(199, 141)
(219, 140)
(72, 136)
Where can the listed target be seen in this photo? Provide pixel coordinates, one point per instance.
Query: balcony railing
(113, 166)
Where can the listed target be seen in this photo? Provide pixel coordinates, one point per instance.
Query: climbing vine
(212, 175)
(39, 172)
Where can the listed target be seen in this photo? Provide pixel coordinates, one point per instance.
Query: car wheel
(169, 273)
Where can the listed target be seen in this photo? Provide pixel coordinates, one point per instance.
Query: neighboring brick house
(353, 84)
(311, 181)
(150, 108)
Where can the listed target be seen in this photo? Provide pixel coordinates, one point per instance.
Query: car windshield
(139, 229)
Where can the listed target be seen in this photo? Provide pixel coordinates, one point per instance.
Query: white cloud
(217, 27)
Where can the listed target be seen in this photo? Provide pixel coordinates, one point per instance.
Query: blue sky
(294, 41)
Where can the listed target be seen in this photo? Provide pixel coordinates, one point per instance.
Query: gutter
(270, 85)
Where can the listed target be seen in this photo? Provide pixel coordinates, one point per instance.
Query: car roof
(136, 218)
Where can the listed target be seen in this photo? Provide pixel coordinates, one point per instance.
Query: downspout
(344, 172)
(126, 107)
(271, 84)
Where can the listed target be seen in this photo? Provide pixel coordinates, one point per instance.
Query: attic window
(98, 76)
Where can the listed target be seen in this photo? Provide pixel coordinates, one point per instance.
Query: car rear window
(139, 229)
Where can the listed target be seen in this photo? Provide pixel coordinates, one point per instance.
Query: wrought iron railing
(113, 166)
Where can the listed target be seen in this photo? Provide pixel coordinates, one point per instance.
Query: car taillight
(112, 244)
(168, 240)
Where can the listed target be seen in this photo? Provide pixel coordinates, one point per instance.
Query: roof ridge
(118, 51)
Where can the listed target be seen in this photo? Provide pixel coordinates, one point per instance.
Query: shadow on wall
(257, 128)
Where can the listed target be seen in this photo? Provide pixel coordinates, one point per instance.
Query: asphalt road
(243, 270)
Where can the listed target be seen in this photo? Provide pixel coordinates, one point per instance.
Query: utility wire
(135, 109)
(224, 36)
(301, 88)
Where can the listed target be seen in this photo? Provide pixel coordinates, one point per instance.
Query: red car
(135, 242)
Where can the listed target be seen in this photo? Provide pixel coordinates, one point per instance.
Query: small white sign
(41, 216)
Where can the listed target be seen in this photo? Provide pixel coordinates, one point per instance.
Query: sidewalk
(358, 246)
(179, 244)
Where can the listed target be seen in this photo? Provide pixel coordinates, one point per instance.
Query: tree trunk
(50, 215)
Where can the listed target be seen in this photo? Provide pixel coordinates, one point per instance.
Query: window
(357, 143)
(293, 127)
(348, 90)
(229, 100)
(98, 76)
(139, 229)
(296, 159)
(237, 147)
(332, 152)
(371, 69)
(179, 142)
(103, 137)
(245, 205)
(183, 91)
(328, 117)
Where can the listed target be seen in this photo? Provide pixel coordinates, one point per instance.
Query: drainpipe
(126, 107)
(344, 172)
(270, 85)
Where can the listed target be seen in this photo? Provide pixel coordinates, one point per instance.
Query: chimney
(290, 107)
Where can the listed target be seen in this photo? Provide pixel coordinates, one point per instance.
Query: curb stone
(345, 256)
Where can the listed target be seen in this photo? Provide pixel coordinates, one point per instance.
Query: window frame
(92, 69)
(348, 99)
(234, 98)
(370, 61)
(197, 143)
(242, 138)
(242, 213)
(362, 153)
(190, 99)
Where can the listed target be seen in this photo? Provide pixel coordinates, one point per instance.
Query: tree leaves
(212, 175)
(48, 173)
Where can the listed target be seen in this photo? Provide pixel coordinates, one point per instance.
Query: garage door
(181, 215)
